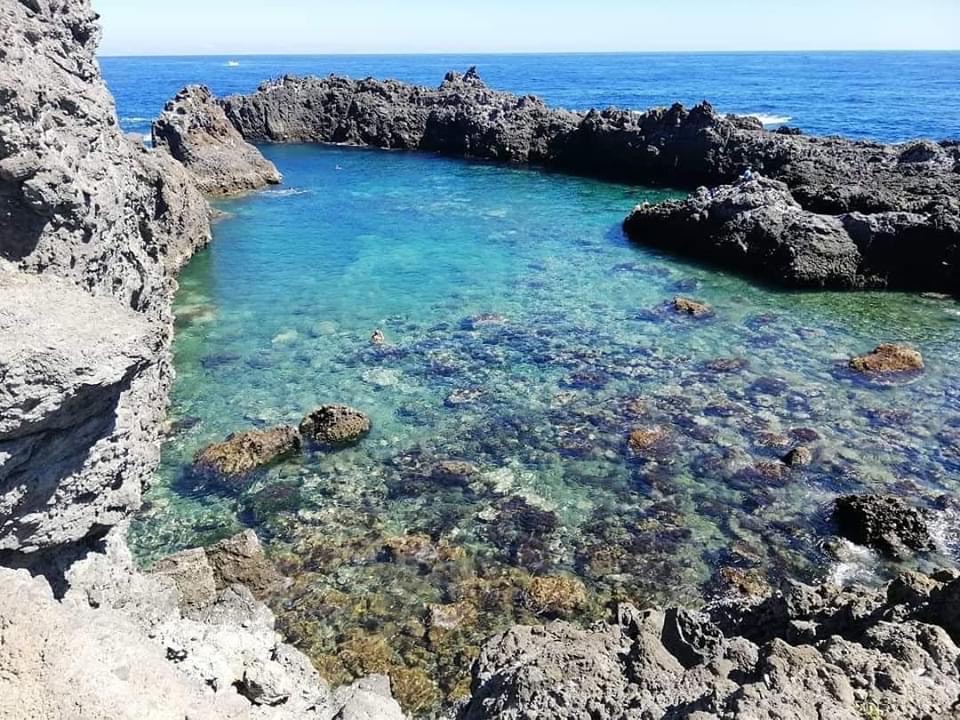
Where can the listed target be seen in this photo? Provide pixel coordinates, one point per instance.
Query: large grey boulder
(194, 129)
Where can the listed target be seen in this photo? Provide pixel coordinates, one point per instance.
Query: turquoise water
(528, 337)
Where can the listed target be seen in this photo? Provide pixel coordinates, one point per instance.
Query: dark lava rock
(335, 425)
(884, 523)
(690, 637)
(798, 456)
(242, 453)
(888, 359)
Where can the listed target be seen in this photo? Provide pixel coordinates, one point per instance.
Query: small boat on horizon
(233, 63)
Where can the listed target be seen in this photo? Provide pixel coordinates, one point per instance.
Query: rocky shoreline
(94, 230)
(792, 210)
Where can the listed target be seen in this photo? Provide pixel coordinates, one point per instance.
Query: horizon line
(490, 53)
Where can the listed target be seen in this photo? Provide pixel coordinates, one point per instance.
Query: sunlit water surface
(528, 337)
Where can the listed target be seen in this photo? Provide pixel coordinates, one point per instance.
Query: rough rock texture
(755, 226)
(118, 646)
(335, 425)
(882, 522)
(194, 129)
(888, 359)
(86, 379)
(244, 452)
(842, 217)
(804, 654)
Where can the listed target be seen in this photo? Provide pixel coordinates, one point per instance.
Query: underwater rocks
(798, 457)
(884, 523)
(554, 596)
(693, 308)
(242, 453)
(809, 652)
(195, 131)
(754, 226)
(335, 426)
(888, 359)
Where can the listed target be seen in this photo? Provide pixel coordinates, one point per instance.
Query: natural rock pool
(526, 339)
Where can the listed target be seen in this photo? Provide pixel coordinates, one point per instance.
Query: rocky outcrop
(121, 644)
(888, 359)
(335, 426)
(755, 226)
(804, 653)
(194, 129)
(92, 229)
(882, 522)
(828, 213)
(86, 373)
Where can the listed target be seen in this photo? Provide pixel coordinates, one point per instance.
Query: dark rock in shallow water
(884, 523)
(242, 453)
(799, 456)
(693, 308)
(335, 426)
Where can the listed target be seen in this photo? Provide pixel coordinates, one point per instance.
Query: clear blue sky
(227, 27)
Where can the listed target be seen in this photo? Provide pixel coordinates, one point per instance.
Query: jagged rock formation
(92, 231)
(805, 653)
(839, 215)
(194, 129)
(120, 644)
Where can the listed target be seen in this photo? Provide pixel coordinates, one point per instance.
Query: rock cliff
(93, 228)
(887, 198)
(194, 129)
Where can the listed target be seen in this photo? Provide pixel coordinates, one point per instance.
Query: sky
(236, 27)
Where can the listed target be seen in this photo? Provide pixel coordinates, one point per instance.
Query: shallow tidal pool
(526, 337)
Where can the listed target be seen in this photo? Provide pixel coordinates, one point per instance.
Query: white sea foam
(771, 120)
(286, 192)
(233, 63)
(854, 565)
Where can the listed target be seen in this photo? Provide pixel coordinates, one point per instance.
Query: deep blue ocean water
(527, 337)
(890, 96)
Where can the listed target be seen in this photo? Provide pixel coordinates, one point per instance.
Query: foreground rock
(888, 359)
(884, 523)
(828, 213)
(194, 129)
(335, 426)
(805, 654)
(242, 453)
(182, 642)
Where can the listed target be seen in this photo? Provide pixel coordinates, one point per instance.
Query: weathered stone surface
(805, 654)
(87, 381)
(242, 453)
(335, 425)
(882, 522)
(888, 359)
(75, 399)
(194, 129)
(755, 226)
(693, 308)
(241, 560)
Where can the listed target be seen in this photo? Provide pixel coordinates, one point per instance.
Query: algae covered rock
(693, 308)
(242, 453)
(555, 596)
(335, 425)
(888, 359)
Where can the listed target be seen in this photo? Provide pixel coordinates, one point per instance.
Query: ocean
(526, 338)
(888, 96)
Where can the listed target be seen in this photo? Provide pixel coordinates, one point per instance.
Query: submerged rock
(554, 596)
(888, 359)
(335, 425)
(884, 523)
(694, 308)
(242, 453)
(798, 457)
